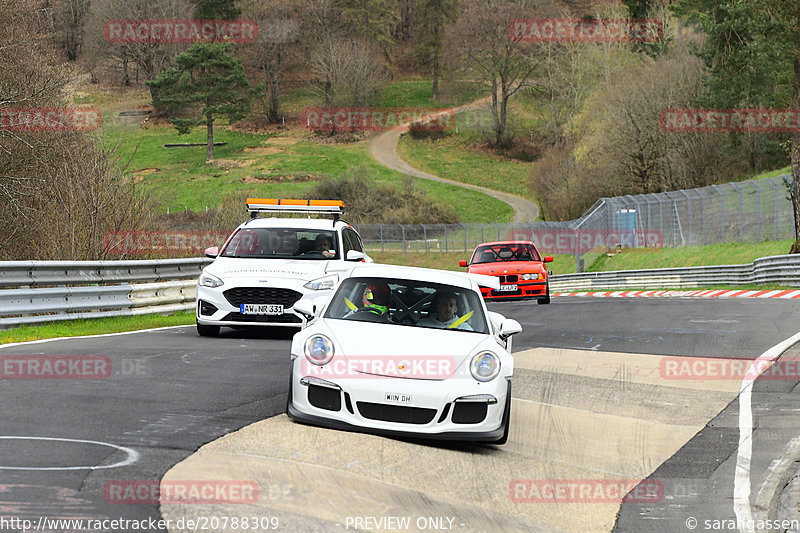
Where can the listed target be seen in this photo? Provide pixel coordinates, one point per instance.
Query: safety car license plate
(261, 309)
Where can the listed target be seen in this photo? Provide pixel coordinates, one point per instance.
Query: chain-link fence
(746, 211)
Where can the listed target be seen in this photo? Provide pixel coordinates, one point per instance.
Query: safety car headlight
(207, 280)
(323, 283)
(318, 350)
(484, 366)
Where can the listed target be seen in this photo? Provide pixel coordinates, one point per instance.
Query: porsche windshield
(282, 243)
(505, 252)
(413, 303)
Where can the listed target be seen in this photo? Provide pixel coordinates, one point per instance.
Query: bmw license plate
(508, 288)
(398, 398)
(261, 309)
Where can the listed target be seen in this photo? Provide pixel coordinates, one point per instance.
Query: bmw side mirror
(509, 327)
(548, 259)
(462, 263)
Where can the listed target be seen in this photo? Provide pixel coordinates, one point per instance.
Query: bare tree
(503, 64)
(59, 190)
(619, 129)
(69, 19)
(279, 48)
(150, 58)
(351, 70)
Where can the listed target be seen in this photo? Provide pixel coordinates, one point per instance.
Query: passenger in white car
(443, 314)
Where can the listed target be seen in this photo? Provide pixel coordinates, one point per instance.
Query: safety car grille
(395, 413)
(279, 319)
(262, 295)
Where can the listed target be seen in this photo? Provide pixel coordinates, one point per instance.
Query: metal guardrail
(45, 291)
(779, 269)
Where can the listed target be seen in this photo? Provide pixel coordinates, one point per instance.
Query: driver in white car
(445, 307)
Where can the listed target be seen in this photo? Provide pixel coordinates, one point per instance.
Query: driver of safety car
(444, 309)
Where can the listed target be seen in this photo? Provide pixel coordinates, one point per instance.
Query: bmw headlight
(323, 283)
(318, 350)
(526, 276)
(207, 280)
(484, 366)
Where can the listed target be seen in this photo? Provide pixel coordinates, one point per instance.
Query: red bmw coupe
(519, 266)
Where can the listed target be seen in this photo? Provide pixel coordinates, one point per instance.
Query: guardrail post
(722, 211)
(758, 209)
(777, 196)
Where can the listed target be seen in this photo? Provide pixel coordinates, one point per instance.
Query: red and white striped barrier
(790, 293)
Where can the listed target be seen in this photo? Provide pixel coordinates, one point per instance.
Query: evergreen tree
(206, 82)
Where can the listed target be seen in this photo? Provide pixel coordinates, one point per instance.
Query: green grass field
(97, 326)
(284, 164)
(714, 254)
(453, 158)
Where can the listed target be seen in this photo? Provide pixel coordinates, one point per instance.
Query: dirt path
(384, 150)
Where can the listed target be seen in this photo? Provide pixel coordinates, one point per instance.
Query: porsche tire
(506, 418)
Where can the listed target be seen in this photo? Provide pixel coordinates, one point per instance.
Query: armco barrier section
(779, 269)
(46, 291)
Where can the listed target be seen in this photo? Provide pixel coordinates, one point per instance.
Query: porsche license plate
(398, 398)
(508, 288)
(261, 309)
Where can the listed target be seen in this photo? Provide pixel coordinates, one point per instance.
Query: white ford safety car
(404, 351)
(268, 264)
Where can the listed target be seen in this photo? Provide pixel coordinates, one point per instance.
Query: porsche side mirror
(212, 252)
(509, 327)
(462, 263)
(548, 259)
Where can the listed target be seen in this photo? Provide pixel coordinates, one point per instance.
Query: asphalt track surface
(170, 392)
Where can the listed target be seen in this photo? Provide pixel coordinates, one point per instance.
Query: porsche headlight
(207, 280)
(323, 283)
(526, 276)
(484, 366)
(318, 350)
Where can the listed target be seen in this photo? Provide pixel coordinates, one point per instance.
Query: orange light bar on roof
(287, 205)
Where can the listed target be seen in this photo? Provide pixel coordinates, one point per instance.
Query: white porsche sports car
(405, 351)
(268, 264)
